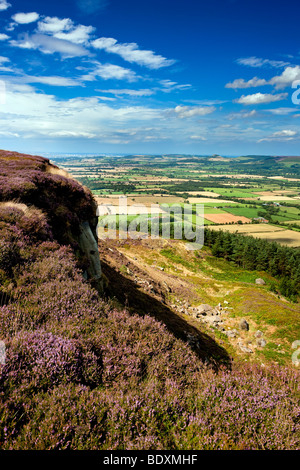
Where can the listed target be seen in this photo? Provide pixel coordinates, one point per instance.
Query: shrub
(41, 360)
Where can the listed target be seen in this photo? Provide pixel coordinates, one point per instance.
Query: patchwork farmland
(241, 194)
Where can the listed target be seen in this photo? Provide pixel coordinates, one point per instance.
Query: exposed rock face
(244, 325)
(58, 207)
(89, 246)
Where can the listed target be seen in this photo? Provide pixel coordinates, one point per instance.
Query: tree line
(281, 262)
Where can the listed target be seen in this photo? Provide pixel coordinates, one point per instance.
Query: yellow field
(282, 192)
(147, 200)
(285, 237)
(265, 231)
(201, 193)
(248, 228)
(226, 218)
(277, 198)
(205, 200)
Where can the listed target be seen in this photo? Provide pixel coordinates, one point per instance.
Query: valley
(250, 196)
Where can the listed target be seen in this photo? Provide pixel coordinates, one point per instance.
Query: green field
(233, 192)
(243, 211)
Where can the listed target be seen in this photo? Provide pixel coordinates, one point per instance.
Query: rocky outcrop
(88, 244)
(54, 206)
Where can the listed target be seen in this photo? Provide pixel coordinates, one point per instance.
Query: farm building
(260, 220)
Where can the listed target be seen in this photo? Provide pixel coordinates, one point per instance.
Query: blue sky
(160, 76)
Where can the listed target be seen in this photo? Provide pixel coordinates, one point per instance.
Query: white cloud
(4, 60)
(3, 37)
(53, 81)
(66, 30)
(25, 18)
(79, 35)
(126, 91)
(4, 5)
(169, 86)
(52, 25)
(106, 98)
(284, 135)
(258, 62)
(73, 134)
(240, 83)
(190, 111)
(242, 114)
(286, 78)
(197, 137)
(32, 114)
(131, 53)
(260, 98)
(110, 71)
(282, 111)
(50, 45)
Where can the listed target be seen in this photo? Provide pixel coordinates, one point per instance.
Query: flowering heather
(34, 182)
(43, 360)
(81, 373)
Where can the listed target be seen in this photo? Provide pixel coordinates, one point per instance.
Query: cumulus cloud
(286, 78)
(131, 53)
(3, 37)
(4, 5)
(190, 111)
(240, 83)
(52, 25)
(48, 117)
(65, 29)
(260, 98)
(25, 18)
(79, 35)
(284, 135)
(110, 71)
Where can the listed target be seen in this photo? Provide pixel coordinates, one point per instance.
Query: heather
(35, 182)
(82, 372)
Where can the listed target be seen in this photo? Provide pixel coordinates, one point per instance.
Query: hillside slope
(82, 372)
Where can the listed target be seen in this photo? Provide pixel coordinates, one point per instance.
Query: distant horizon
(157, 78)
(46, 154)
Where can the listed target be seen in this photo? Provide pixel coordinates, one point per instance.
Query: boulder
(261, 342)
(260, 281)
(205, 309)
(231, 333)
(244, 325)
(258, 334)
(244, 348)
